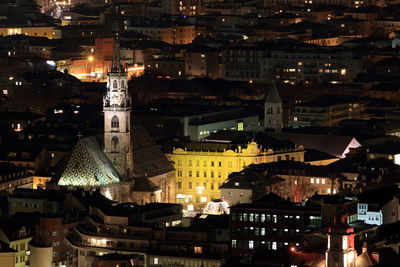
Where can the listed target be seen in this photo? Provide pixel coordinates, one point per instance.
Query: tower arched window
(115, 84)
(122, 83)
(114, 144)
(114, 122)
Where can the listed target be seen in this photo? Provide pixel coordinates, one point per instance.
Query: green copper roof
(88, 166)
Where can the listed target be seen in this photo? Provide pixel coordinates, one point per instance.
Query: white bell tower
(117, 118)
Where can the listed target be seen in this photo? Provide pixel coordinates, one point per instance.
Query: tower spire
(116, 63)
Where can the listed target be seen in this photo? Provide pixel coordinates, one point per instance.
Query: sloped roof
(332, 144)
(142, 184)
(236, 181)
(88, 166)
(365, 260)
(273, 95)
(148, 158)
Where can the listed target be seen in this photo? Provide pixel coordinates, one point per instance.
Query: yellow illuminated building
(40, 182)
(202, 167)
(18, 240)
(21, 246)
(51, 32)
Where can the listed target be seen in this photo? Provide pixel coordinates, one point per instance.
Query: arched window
(115, 84)
(114, 122)
(114, 144)
(122, 84)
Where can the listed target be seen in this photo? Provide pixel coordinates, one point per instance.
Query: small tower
(117, 118)
(273, 110)
(341, 251)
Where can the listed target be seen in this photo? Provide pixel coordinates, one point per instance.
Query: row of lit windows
(252, 244)
(204, 185)
(198, 199)
(269, 232)
(256, 217)
(197, 174)
(197, 163)
(317, 180)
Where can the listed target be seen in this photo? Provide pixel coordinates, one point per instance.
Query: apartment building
(48, 31)
(270, 223)
(287, 178)
(242, 62)
(169, 33)
(202, 61)
(310, 62)
(325, 111)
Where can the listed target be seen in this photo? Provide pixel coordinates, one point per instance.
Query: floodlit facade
(201, 168)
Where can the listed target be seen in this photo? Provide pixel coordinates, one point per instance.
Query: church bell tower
(273, 110)
(117, 118)
(341, 251)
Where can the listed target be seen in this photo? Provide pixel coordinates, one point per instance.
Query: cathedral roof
(273, 95)
(143, 184)
(88, 166)
(148, 158)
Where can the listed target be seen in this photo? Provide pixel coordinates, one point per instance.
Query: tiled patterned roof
(88, 166)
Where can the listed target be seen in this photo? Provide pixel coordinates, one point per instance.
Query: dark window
(114, 122)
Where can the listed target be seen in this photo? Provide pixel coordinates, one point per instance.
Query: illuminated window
(345, 243)
(312, 180)
(155, 261)
(233, 243)
(317, 180)
(343, 71)
(198, 250)
(203, 199)
(240, 126)
(251, 244)
(322, 181)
